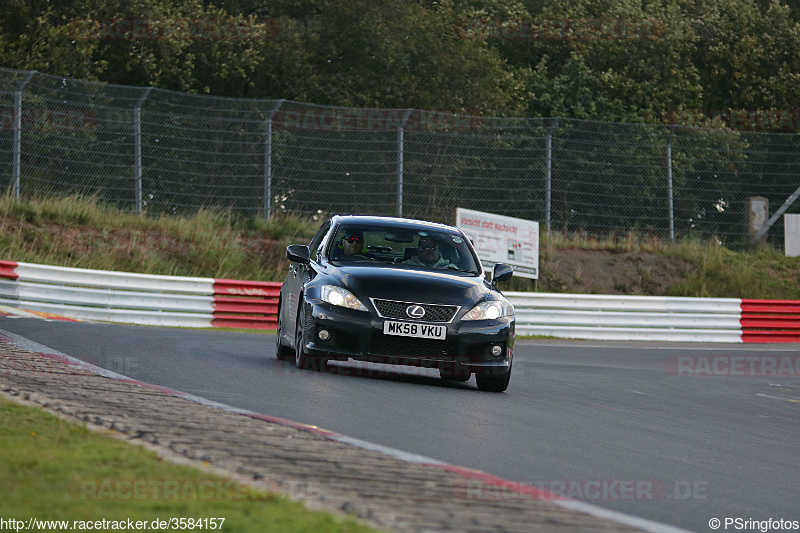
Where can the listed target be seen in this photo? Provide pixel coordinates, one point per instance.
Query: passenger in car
(429, 254)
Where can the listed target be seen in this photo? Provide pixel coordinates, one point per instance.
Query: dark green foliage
(639, 62)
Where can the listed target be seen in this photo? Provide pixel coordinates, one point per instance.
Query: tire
(492, 382)
(302, 360)
(281, 352)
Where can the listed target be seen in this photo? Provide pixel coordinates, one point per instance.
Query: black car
(396, 291)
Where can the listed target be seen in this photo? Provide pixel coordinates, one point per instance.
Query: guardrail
(246, 304)
(143, 299)
(610, 317)
(654, 318)
(770, 321)
(206, 302)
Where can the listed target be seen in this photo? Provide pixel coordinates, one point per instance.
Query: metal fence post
(549, 175)
(268, 162)
(400, 147)
(774, 218)
(268, 169)
(137, 125)
(669, 184)
(17, 157)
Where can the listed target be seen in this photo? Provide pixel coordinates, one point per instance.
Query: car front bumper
(359, 335)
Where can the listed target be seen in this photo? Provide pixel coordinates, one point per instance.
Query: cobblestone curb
(304, 463)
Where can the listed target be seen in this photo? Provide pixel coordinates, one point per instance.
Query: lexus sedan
(396, 291)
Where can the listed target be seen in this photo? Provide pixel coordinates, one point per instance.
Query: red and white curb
(23, 313)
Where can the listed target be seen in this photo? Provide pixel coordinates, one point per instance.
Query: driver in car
(429, 255)
(352, 243)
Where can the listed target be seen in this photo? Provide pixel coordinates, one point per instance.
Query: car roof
(411, 223)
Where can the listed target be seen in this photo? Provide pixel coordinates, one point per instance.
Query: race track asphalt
(613, 424)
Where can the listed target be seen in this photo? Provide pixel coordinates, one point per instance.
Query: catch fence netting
(156, 152)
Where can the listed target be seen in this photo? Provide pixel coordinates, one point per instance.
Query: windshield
(402, 246)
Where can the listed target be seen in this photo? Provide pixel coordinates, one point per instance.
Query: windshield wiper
(453, 267)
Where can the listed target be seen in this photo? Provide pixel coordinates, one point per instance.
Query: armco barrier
(245, 304)
(770, 321)
(139, 298)
(654, 318)
(609, 317)
(206, 302)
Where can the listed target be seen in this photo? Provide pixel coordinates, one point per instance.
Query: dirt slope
(610, 272)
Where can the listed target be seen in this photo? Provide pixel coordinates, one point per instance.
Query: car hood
(408, 285)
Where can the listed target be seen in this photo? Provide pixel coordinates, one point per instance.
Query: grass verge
(718, 272)
(80, 232)
(51, 469)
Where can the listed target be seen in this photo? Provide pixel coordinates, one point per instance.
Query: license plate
(410, 329)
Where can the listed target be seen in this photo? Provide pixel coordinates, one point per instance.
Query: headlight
(341, 297)
(489, 310)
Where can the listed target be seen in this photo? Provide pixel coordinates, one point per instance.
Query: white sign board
(791, 235)
(501, 239)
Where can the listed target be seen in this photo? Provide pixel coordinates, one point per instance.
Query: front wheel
(281, 352)
(302, 360)
(492, 382)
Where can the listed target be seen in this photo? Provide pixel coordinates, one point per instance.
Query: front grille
(396, 346)
(433, 313)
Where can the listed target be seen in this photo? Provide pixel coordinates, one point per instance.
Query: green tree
(370, 53)
(749, 54)
(36, 36)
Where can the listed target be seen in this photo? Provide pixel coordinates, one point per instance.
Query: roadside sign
(502, 239)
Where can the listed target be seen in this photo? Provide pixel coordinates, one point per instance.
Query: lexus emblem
(415, 311)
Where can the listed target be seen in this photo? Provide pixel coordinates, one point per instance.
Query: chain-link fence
(155, 151)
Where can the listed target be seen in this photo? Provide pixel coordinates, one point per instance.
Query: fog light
(324, 335)
(497, 351)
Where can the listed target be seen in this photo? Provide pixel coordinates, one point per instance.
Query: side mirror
(298, 253)
(501, 272)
